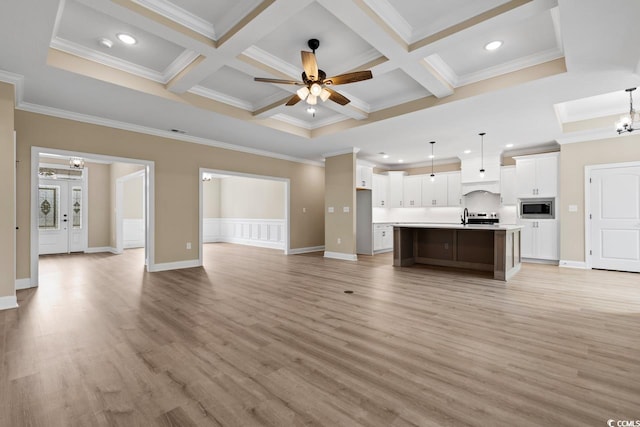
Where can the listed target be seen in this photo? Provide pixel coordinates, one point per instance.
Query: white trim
(340, 256)
(272, 61)
(101, 249)
(540, 261)
(221, 97)
(337, 118)
(180, 63)
(24, 284)
(266, 233)
(588, 169)
(7, 303)
(573, 264)
(55, 112)
(392, 18)
(306, 250)
(17, 80)
(446, 72)
(591, 135)
(120, 245)
(165, 266)
(511, 66)
(180, 16)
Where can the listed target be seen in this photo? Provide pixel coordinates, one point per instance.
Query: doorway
(97, 217)
(613, 222)
(62, 220)
(243, 209)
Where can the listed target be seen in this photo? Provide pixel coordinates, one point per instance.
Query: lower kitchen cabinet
(539, 239)
(382, 238)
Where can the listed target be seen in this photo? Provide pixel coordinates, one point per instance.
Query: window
(49, 201)
(76, 207)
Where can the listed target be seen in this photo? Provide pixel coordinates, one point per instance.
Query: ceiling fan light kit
(315, 82)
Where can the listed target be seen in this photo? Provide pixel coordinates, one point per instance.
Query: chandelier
(626, 122)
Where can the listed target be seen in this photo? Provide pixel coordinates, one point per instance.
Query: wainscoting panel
(268, 233)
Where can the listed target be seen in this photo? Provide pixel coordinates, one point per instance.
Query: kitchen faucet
(465, 216)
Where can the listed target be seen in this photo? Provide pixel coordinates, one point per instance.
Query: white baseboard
(540, 261)
(24, 284)
(340, 255)
(264, 233)
(382, 251)
(7, 303)
(100, 249)
(249, 242)
(306, 250)
(175, 265)
(573, 264)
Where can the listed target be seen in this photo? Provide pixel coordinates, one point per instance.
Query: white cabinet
(539, 239)
(434, 193)
(380, 191)
(508, 186)
(537, 175)
(413, 191)
(471, 169)
(454, 189)
(382, 238)
(364, 176)
(396, 189)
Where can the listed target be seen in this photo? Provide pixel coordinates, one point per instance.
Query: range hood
(470, 175)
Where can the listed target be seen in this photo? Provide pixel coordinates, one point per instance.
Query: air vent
(180, 131)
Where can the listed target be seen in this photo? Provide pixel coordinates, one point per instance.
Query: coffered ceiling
(193, 64)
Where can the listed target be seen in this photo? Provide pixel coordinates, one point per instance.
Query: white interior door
(615, 218)
(61, 216)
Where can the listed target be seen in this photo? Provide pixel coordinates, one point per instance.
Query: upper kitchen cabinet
(413, 191)
(454, 189)
(380, 191)
(471, 169)
(537, 175)
(364, 176)
(434, 193)
(508, 186)
(396, 189)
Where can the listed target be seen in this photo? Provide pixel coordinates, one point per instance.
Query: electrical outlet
(188, 245)
(345, 209)
(339, 241)
(330, 209)
(304, 210)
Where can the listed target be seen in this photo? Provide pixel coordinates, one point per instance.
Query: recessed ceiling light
(105, 42)
(467, 151)
(431, 156)
(400, 161)
(311, 110)
(384, 155)
(493, 45)
(509, 145)
(127, 38)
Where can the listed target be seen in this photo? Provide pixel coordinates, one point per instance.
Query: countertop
(454, 226)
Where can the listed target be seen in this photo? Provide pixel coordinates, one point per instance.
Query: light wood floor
(258, 338)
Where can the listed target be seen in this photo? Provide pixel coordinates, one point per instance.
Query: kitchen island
(473, 247)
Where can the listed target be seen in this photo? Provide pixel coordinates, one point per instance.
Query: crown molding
(272, 61)
(180, 63)
(445, 71)
(392, 18)
(591, 135)
(70, 115)
(511, 66)
(308, 125)
(180, 16)
(221, 97)
(350, 150)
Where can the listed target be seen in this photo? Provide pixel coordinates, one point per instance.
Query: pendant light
(432, 176)
(482, 134)
(626, 122)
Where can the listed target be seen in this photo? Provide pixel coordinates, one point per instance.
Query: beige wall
(340, 183)
(177, 166)
(448, 167)
(573, 159)
(99, 205)
(211, 198)
(251, 198)
(7, 200)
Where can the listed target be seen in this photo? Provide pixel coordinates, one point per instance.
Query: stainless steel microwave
(537, 209)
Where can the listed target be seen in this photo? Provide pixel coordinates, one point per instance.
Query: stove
(483, 218)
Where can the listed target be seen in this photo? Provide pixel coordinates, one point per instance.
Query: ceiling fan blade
(336, 97)
(349, 78)
(310, 65)
(278, 81)
(293, 100)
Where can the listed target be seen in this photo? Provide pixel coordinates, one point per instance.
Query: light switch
(345, 209)
(573, 208)
(330, 209)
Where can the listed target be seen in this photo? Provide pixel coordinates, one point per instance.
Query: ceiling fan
(315, 83)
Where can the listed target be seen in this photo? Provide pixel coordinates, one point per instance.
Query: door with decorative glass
(61, 216)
